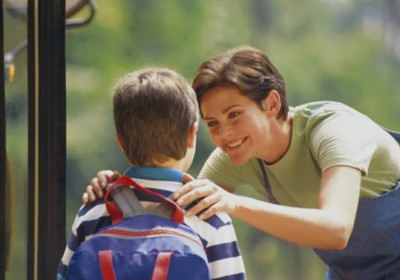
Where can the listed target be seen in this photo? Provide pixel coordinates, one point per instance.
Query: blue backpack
(143, 246)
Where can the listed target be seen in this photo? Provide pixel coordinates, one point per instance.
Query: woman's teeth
(235, 144)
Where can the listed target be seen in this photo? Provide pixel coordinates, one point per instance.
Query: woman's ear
(272, 103)
(192, 135)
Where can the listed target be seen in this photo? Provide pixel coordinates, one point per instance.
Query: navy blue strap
(267, 185)
(395, 135)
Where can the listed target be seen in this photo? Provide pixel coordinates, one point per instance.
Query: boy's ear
(192, 135)
(118, 141)
(272, 103)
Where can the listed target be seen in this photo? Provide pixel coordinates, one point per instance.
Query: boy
(156, 119)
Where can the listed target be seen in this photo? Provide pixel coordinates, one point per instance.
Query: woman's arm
(327, 227)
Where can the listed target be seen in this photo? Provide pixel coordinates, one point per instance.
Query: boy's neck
(172, 164)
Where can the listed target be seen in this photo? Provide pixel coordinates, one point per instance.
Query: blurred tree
(324, 49)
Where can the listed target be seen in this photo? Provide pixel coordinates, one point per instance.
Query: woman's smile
(232, 146)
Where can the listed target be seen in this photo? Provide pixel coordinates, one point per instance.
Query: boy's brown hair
(247, 68)
(154, 109)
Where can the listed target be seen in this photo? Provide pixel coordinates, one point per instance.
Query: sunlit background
(343, 50)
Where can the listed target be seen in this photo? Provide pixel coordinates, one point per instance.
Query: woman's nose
(225, 131)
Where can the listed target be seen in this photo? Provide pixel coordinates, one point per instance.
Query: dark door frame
(46, 189)
(3, 241)
(46, 137)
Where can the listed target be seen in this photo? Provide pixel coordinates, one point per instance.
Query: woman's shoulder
(222, 171)
(311, 115)
(219, 162)
(318, 108)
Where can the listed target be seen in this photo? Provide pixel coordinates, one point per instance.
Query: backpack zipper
(158, 232)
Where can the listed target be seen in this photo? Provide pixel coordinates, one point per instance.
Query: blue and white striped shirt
(217, 233)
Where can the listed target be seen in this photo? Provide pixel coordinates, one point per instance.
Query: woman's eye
(233, 114)
(211, 123)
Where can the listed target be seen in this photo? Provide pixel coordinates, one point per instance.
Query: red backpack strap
(106, 265)
(115, 214)
(161, 267)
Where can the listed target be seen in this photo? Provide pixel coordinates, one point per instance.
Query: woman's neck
(283, 137)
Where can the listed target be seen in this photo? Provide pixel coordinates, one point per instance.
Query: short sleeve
(219, 169)
(343, 139)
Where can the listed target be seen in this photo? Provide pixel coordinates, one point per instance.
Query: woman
(331, 174)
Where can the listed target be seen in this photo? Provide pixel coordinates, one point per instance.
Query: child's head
(155, 115)
(246, 68)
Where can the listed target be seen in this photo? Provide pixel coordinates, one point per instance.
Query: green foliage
(321, 48)
(324, 49)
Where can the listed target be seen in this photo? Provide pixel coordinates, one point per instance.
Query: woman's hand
(97, 184)
(210, 198)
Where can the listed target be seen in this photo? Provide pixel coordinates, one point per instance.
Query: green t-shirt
(325, 134)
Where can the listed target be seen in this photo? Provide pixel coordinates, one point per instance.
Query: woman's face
(237, 124)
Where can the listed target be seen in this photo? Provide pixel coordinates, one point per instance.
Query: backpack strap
(160, 271)
(161, 268)
(128, 202)
(106, 265)
(267, 185)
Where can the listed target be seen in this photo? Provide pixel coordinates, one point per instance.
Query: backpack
(142, 246)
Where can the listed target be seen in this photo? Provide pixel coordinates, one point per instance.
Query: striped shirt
(216, 233)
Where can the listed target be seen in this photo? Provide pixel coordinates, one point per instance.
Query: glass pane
(16, 141)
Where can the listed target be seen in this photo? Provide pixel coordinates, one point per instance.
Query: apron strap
(395, 135)
(267, 185)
